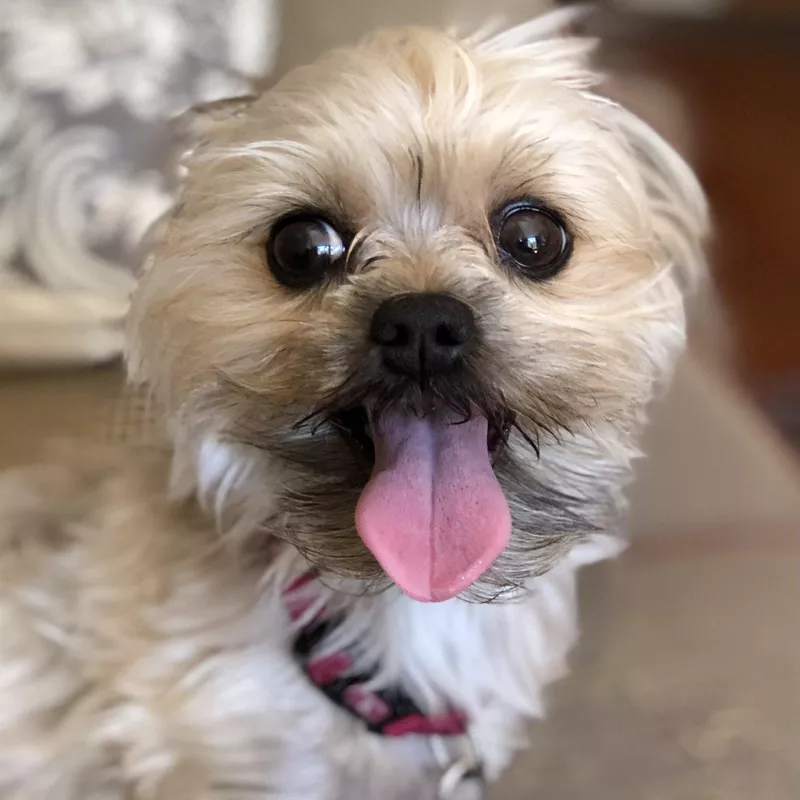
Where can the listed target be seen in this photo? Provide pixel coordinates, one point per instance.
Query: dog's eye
(534, 239)
(302, 250)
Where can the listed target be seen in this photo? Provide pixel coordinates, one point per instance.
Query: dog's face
(418, 295)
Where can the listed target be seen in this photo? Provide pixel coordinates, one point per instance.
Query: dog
(403, 326)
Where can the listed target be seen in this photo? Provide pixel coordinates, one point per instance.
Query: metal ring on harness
(463, 771)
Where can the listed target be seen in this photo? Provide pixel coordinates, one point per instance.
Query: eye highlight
(302, 250)
(532, 239)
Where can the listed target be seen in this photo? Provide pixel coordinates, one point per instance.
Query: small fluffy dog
(403, 324)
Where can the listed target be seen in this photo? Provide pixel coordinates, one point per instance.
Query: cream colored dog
(403, 324)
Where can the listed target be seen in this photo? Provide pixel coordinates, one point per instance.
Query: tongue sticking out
(433, 513)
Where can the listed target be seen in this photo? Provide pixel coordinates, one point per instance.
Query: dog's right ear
(193, 126)
(188, 131)
(197, 121)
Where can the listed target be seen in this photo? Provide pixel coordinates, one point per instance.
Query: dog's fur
(144, 644)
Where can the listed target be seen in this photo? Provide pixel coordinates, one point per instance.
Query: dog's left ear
(676, 201)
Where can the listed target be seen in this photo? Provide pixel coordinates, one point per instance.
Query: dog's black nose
(423, 334)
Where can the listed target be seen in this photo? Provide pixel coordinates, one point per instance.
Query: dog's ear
(194, 125)
(189, 130)
(677, 203)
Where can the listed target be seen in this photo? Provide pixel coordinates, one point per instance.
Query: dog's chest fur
(140, 661)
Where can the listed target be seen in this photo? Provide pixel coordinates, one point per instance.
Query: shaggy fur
(145, 648)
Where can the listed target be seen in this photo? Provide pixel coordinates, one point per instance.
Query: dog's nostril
(422, 333)
(448, 335)
(391, 335)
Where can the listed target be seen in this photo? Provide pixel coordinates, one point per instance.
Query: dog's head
(413, 302)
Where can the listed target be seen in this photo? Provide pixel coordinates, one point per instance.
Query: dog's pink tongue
(433, 513)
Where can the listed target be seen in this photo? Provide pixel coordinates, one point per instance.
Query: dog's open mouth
(433, 512)
(354, 427)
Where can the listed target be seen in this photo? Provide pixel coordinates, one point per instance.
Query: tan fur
(122, 577)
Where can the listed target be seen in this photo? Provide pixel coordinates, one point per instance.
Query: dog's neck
(489, 661)
(345, 675)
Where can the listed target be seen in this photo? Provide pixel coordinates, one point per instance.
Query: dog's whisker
(534, 444)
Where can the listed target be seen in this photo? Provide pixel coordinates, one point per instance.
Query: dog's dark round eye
(302, 250)
(534, 239)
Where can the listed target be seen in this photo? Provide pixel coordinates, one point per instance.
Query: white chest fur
(491, 661)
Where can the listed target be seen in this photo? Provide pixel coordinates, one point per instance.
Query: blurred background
(687, 682)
